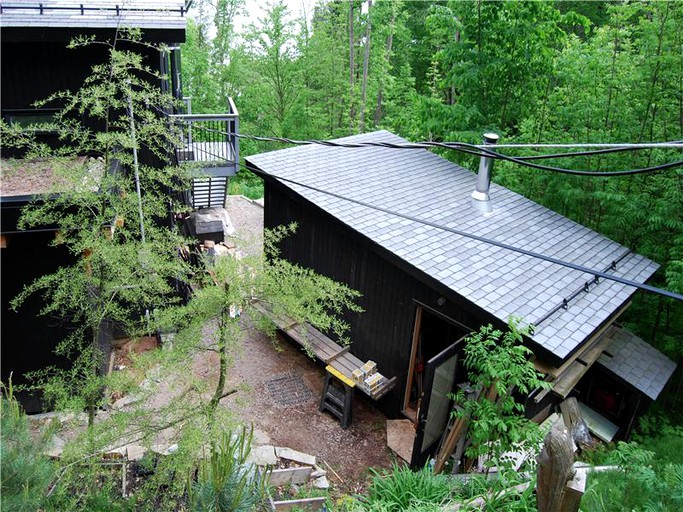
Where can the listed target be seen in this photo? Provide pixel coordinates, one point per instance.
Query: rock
(210, 224)
(135, 451)
(163, 449)
(55, 447)
(318, 473)
(321, 483)
(62, 417)
(289, 454)
(122, 402)
(263, 456)
(114, 453)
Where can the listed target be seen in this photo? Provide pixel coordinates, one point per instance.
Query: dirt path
(280, 390)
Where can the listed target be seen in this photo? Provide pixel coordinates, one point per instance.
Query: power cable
(596, 273)
(472, 149)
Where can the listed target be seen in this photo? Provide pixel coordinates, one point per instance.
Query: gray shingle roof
(423, 185)
(638, 363)
(147, 14)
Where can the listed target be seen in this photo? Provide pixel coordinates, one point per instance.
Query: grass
(247, 184)
(401, 489)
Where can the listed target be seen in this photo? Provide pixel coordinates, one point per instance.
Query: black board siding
(384, 331)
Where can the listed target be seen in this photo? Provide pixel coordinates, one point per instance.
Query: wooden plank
(571, 377)
(335, 356)
(303, 504)
(383, 390)
(340, 376)
(413, 356)
(566, 382)
(296, 476)
(574, 491)
(590, 343)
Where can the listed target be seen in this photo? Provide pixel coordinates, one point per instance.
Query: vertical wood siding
(383, 332)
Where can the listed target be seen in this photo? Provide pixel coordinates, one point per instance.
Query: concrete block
(289, 454)
(135, 451)
(263, 456)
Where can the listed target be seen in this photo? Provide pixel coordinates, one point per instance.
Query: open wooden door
(435, 403)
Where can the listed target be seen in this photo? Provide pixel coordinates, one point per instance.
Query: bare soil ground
(280, 389)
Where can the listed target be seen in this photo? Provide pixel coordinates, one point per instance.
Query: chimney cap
(491, 137)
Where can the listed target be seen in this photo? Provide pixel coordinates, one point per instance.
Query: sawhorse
(337, 395)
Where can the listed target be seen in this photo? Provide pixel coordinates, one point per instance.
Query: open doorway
(432, 334)
(435, 369)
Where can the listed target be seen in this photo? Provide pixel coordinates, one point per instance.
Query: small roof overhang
(637, 362)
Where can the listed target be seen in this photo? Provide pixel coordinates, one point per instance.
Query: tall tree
(275, 77)
(366, 64)
(352, 65)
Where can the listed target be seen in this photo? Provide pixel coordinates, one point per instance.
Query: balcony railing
(210, 141)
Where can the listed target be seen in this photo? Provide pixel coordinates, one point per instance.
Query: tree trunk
(387, 56)
(571, 414)
(223, 365)
(366, 63)
(655, 76)
(352, 69)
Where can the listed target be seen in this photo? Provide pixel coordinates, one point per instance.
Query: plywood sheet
(400, 438)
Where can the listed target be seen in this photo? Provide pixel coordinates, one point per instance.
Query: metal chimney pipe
(481, 192)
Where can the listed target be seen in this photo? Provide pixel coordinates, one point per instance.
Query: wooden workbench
(315, 343)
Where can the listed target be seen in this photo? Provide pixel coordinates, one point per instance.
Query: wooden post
(555, 471)
(571, 414)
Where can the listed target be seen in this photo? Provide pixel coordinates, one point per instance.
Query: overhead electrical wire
(596, 273)
(520, 250)
(480, 150)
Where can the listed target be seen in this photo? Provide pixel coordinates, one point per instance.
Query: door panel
(435, 406)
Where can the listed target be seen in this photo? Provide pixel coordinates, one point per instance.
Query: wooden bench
(323, 348)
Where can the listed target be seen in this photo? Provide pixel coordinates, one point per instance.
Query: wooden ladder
(337, 396)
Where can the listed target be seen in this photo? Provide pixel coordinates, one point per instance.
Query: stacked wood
(458, 430)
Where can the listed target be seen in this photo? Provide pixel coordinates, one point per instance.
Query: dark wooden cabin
(37, 63)
(370, 217)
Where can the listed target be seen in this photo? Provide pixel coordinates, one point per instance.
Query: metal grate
(287, 390)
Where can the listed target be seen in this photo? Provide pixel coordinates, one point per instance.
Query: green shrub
(402, 489)
(225, 481)
(638, 484)
(26, 472)
(246, 183)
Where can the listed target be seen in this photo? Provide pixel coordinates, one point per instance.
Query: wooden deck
(323, 348)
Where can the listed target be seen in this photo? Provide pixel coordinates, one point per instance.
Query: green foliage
(123, 259)
(498, 361)
(403, 489)
(26, 472)
(226, 482)
(246, 183)
(639, 484)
